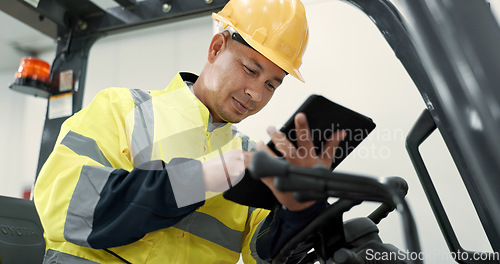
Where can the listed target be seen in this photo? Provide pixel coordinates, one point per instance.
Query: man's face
(241, 81)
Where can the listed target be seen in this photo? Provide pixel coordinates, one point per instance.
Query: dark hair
(236, 36)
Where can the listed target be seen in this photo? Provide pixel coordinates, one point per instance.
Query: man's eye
(271, 86)
(250, 71)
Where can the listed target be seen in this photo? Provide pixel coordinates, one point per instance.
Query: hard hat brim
(262, 49)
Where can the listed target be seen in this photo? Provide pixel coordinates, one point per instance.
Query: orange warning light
(35, 69)
(32, 77)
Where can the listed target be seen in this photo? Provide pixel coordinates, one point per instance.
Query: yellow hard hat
(275, 28)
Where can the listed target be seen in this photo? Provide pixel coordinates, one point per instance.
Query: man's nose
(254, 90)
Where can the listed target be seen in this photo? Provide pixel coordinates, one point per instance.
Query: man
(136, 177)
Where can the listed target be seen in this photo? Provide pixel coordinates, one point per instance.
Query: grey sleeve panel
(251, 146)
(247, 144)
(56, 257)
(85, 146)
(80, 215)
(186, 179)
(253, 240)
(211, 229)
(253, 244)
(143, 133)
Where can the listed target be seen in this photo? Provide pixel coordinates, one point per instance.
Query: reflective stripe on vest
(143, 133)
(210, 228)
(246, 143)
(84, 146)
(53, 257)
(253, 241)
(80, 215)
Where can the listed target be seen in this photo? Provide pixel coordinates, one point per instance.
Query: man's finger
(332, 144)
(305, 145)
(263, 147)
(283, 145)
(247, 156)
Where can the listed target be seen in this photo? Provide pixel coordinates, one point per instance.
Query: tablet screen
(325, 118)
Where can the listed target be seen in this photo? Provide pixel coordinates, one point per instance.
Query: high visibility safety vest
(120, 130)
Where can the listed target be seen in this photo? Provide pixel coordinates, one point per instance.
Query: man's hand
(225, 170)
(303, 156)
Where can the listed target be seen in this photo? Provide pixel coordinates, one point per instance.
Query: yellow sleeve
(99, 129)
(255, 219)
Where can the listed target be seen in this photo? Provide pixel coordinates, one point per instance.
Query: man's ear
(218, 43)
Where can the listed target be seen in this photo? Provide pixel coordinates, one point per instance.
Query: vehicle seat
(21, 233)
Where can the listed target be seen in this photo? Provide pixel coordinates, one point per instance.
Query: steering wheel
(326, 232)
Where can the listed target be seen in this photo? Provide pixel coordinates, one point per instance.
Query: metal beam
(71, 56)
(55, 18)
(458, 43)
(126, 3)
(451, 56)
(149, 13)
(30, 16)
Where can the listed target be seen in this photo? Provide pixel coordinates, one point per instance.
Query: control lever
(348, 187)
(290, 178)
(401, 188)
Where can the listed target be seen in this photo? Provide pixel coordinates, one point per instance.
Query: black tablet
(325, 118)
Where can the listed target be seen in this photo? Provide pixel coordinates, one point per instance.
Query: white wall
(22, 119)
(347, 61)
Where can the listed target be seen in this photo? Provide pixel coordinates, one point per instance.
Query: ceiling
(18, 40)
